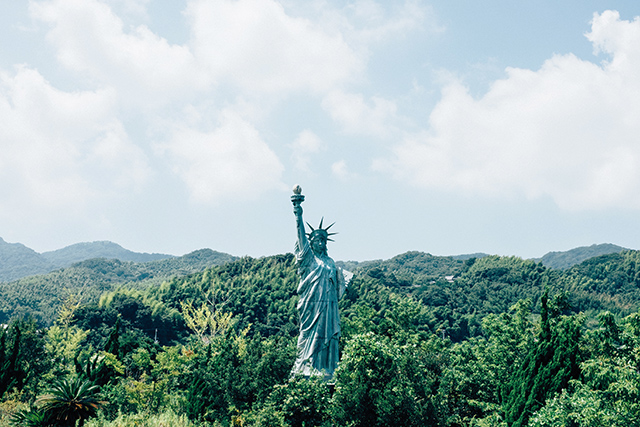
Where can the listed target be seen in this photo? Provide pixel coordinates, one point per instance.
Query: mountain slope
(40, 296)
(102, 249)
(17, 260)
(567, 259)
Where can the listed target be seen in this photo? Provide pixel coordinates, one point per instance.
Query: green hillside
(103, 249)
(567, 259)
(426, 340)
(41, 295)
(17, 260)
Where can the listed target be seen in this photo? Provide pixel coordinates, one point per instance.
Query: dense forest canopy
(426, 340)
(40, 296)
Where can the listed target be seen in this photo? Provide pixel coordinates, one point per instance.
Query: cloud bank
(568, 131)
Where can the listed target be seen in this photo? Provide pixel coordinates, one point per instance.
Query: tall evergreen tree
(8, 374)
(113, 342)
(548, 367)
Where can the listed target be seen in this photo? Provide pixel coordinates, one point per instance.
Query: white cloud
(356, 116)
(568, 131)
(131, 7)
(247, 53)
(341, 171)
(231, 161)
(145, 68)
(374, 23)
(305, 145)
(59, 149)
(256, 46)
(364, 23)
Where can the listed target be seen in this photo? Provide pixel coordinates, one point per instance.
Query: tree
(380, 383)
(69, 401)
(297, 403)
(549, 365)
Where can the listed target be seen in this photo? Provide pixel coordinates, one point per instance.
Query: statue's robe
(321, 285)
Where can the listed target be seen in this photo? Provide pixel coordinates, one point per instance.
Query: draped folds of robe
(321, 285)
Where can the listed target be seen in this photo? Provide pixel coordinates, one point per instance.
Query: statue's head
(318, 238)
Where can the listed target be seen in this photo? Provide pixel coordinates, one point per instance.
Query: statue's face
(319, 245)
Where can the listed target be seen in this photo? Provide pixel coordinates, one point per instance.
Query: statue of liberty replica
(321, 286)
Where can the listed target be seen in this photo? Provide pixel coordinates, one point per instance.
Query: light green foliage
(582, 407)
(166, 418)
(205, 322)
(62, 344)
(12, 403)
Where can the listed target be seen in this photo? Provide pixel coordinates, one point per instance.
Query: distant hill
(412, 269)
(567, 259)
(102, 249)
(41, 295)
(17, 260)
(465, 257)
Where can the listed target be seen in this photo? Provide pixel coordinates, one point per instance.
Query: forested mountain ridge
(101, 249)
(41, 295)
(471, 287)
(567, 259)
(17, 260)
(495, 341)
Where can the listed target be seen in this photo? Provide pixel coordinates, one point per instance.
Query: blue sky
(447, 127)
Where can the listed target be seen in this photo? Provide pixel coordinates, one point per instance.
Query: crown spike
(320, 226)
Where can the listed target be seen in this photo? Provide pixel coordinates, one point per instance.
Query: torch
(297, 198)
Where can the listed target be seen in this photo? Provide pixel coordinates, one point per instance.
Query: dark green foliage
(381, 383)
(235, 372)
(300, 402)
(113, 342)
(94, 370)
(139, 324)
(550, 365)
(608, 282)
(22, 355)
(10, 376)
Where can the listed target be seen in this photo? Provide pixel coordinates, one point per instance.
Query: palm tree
(68, 401)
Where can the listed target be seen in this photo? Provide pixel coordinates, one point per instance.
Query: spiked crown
(320, 232)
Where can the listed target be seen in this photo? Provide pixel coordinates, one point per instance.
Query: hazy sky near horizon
(448, 127)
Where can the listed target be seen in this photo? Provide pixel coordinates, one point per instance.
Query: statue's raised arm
(321, 285)
(297, 200)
